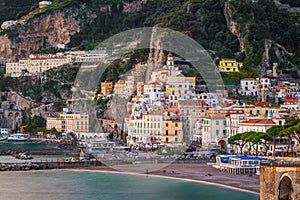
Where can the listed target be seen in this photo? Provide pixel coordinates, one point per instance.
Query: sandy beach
(197, 173)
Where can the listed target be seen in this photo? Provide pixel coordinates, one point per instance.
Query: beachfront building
(68, 123)
(248, 87)
(172, 132)
(4, 131)
(229, 65)
(146, 129)
(35, 65)
(213, 130)
(238, 164)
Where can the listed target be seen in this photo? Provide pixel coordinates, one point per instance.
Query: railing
(281, 164)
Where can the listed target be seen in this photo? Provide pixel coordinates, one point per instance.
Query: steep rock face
(44, 31)
(5, 47)
(38, 33)
(233, 25)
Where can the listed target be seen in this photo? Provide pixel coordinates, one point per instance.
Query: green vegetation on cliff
(13, 9)
(261, 21)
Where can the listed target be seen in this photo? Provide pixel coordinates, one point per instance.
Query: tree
(291, 129)
(273, 132)
(35, 124)
(237, 140)
(256, 138)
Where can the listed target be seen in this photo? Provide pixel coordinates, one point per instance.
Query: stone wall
(272, 183)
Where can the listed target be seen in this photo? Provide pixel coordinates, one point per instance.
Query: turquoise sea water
(23, 146)
(68, 185)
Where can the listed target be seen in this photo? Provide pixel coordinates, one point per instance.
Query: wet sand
(196, 172)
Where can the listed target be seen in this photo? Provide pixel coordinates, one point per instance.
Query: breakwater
(48, 165)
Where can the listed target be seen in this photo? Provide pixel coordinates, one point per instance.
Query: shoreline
(225, 182)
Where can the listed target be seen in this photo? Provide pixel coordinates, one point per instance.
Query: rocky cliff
(45, 31)
(233, 25)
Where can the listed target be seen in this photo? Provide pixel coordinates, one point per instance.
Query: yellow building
(119, 87)
(229, 65)
(68, 123)
(106, 88)
(180, 87)
(259, 109)
(172, 132)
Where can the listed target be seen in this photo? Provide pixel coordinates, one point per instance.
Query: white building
(257, 125)
(213, 130)
(292, 104)
(153, 92)
(4, 131)
(43, 4)
(8, 24)
(248, 87)
(34, 65)
(140, 131)
(212, 100)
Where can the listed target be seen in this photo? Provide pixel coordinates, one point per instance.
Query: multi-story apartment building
(213, 130)
(180, 87)
(68, 123)
(119, 87)
(192, 108)
(146, 129)
(35, 65)
(172, 132)
(264, 89)
(153, 92)
(248, 87)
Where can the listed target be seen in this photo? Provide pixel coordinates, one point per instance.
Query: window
(217, 122)
(167, 124)
(176, 125)
(167, 132)
(176, 132)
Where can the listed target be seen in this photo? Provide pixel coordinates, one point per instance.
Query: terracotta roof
(263, 104)
(216, 116)
(248, 79)
(160, 112)
(259, 121)
(191, 102)
(290, 99)
(266, 121)
(231, 99)
(227, 105)
(152, 83)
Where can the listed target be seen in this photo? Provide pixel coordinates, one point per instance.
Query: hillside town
(170, 109)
